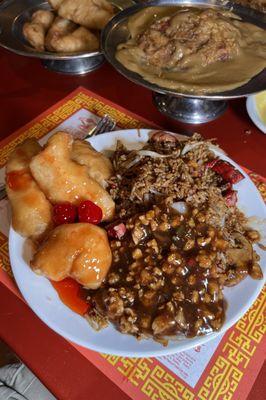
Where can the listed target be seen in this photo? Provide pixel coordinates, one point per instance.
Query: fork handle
(2, 193)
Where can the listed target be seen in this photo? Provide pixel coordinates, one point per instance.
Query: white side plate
(253, 113)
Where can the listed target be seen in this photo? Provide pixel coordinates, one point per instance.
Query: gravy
(220, 52)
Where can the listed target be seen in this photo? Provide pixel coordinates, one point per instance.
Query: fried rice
(167, 263)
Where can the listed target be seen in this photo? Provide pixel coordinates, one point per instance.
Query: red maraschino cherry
(89, 212)
(64, 213)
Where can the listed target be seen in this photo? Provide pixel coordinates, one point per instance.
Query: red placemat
(225, 368)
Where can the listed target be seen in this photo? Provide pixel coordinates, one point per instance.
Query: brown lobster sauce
(183, 295)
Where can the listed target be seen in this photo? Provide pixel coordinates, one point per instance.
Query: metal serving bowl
(178, 105)
(13, 15)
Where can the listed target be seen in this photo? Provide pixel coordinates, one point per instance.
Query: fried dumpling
(93, 14)
(60, 28)
(31, 211)
(63, 180)
(35, 30)
(80, 251)
(55, 3)
(80, 39)
(98, 166)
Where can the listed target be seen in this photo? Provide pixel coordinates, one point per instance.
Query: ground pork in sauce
(192, 50)
(170, 40)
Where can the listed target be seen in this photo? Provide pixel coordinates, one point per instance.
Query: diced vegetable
(116, 230)
(230, 198)
(226, 171)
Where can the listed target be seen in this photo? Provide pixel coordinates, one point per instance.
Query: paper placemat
(224, 368)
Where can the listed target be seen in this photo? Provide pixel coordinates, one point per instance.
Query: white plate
(253, 113)
(44, 301)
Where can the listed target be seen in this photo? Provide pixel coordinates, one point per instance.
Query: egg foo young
(193, 50)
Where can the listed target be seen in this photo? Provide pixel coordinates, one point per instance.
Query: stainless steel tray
(169, 101)
(13, 14)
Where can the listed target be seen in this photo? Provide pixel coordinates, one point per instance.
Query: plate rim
(253, 113)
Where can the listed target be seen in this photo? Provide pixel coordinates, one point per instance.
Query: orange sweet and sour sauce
(72, 295)
(70, 292)
(18, 180)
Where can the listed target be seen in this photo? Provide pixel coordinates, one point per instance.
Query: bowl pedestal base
(189, 110)
(76, 66)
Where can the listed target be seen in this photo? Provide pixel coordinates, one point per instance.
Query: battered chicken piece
(93, 14)
(79, 40)
(61, 27)
(62, 179)
(31, 211)
(98, 166)
(80, 251)
(55, 3)
(34, 31)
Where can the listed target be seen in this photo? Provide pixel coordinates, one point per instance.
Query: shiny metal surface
(75, 66)
(2, 189)
(105, 124)
(13, 14)
(189, 110)
(116, 32)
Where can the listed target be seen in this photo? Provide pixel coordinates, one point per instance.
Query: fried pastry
(80, 251)
(98, 166)
(31, 211)
(55, 3)
(79, 40)
(60, 27)
(93, 14)
(35, 30)
(63, 180)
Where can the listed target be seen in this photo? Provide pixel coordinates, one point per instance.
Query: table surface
(26, 90)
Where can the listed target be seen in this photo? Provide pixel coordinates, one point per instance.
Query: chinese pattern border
(221, 378)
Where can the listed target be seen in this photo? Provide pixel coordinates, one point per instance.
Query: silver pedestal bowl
(188, 108)
(13, 15)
